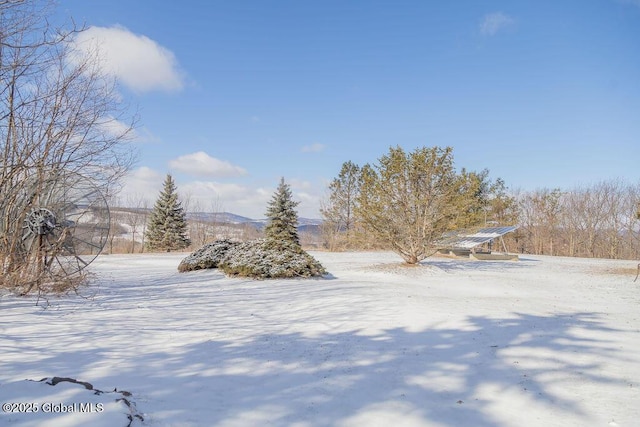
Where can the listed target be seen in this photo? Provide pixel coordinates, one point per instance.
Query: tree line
(407, 201)
(601, 220)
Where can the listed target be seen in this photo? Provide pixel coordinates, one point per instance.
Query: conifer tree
(167, 228)
(282, 216)
(408, 200)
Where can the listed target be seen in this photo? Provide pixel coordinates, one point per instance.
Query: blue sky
(232, 95)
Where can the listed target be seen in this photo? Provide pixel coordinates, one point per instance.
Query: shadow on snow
(438, 375)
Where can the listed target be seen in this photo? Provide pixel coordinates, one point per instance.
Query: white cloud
(143, 134)
(201, 164)
(299, 184)
(116, 128)
(147, 175)
(228, 192)
(135, 60)
(245, 200)
(313, 148)
(235, 198)
(143, 185)
(494, 22)
(305, 197)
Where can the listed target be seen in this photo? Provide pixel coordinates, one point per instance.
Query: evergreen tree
(167, 228)
(282, 216)
(408, 200)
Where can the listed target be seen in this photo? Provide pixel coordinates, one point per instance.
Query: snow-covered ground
(539, 342)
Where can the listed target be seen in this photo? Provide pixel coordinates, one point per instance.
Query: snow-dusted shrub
(269, 258)
(208, 256)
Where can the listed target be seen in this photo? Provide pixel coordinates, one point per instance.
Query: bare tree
(143, 213)
(591, 211)
(137, 215)
(632, 224)
(248, 232)
(540, 216)
(598, 220)
(200, 224)
(204, 223)
(116, 229)
(58, 112)
(216, 208)
(338, 211)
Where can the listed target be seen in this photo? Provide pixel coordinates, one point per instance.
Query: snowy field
(539, 342)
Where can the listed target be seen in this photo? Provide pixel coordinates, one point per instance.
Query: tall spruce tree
(282, 217)
(167, 229)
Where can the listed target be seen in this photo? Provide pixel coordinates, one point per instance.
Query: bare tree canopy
(58, 112)
(596, 221)
(338, 211)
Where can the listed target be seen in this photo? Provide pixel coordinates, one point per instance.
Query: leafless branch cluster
(58, 112)
(596, 221)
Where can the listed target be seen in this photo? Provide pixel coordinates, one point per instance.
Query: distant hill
(304, 224)
(222, 217)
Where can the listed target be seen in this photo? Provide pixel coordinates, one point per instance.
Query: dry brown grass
(623, 271)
